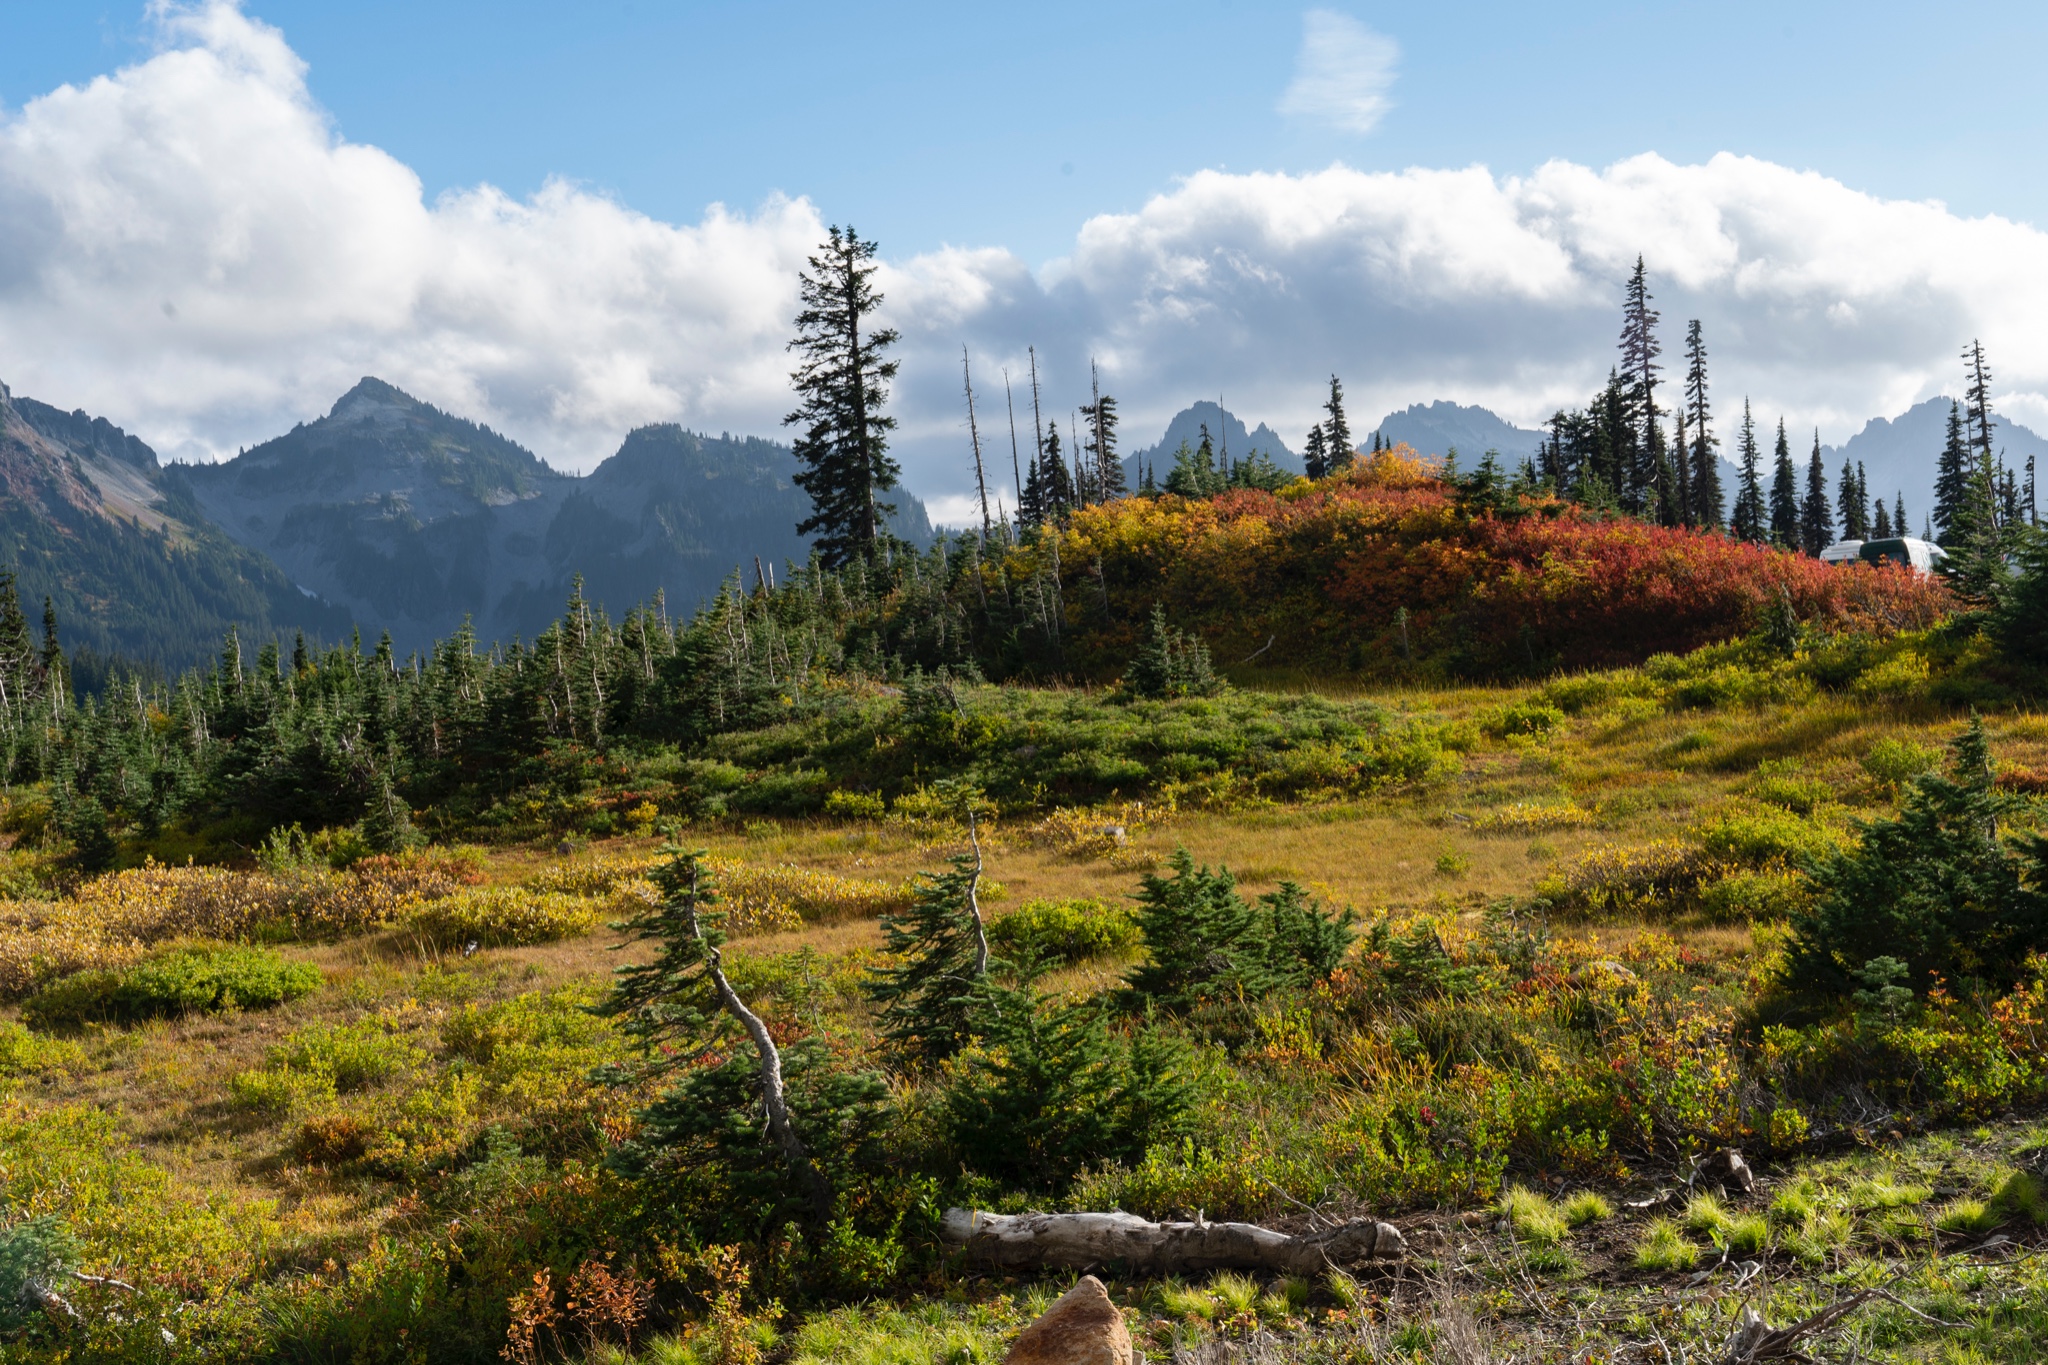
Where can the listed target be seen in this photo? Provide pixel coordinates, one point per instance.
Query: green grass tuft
(1587, 1206)
(1663, 1247)
(1534, 1218)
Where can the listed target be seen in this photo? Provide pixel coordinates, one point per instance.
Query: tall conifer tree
(1952, 483)
(1816, 517)
(1338, 447)
(1750, 520)
(1708, 504)
(842, 384)
(1649, 485)
(1317, 459)
(1106, 474)
(1851, 505)
(1784, 494)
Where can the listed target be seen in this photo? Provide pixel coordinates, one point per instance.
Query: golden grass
(1636, 770)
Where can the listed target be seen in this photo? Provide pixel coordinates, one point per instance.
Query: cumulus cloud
(190, 248)
(1342, 73)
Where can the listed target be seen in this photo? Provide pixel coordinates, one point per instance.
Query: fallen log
(1077, 1240)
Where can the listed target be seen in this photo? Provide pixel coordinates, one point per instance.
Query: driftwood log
(1078, 1240)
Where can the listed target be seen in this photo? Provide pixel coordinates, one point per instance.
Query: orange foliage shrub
(1324, 568)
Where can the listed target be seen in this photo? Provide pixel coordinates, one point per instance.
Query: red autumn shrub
(1324, 570)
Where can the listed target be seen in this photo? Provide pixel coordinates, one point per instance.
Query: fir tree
(1850, 503)
(1881, 522)
(1106, 475)
(1750, 518)
(1054, 1091)
(1816, 517)
(679, 1005)
(1316, 462)
(1639, 368)
(842, 384)
(1784, 495)
(939, 952)
(1952, 484)
(1708, 501)
(1202, 941)
(1337, 430)
(1899, 513)
(1936, 887)
(1170, 663)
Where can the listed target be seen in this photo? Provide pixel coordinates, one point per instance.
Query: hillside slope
(414, 519)
(89, 520)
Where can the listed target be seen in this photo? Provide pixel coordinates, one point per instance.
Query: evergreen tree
(678, 1006)
(1317, 460)
(1106, 475)
(1899, 513)
(1054, 1091)
(1936, 888)
(1881, 522)
(1708, 502)
(1202, 941)
(1854, 509)
(1170, 663)
(1952, 484)
(1750, 518)
(1337, 430)
(939, 953)
(842, 384)
(56, 679)
(1639, 368)
(1784, 495)
(1816, 517)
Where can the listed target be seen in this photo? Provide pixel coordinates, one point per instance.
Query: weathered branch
(774, 1099)
(974, 901)
(1078, 1240)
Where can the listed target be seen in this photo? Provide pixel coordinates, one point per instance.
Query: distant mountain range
(90, 520)
(1439, 428)
(386, 514)
(1899, 454)
(1225, 428)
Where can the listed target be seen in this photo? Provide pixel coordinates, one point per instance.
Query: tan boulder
(1081, 1328)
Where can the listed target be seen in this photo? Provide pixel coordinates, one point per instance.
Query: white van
(1922, 556)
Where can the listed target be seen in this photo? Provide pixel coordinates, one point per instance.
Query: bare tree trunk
(1078, 1240)
(974, 902)
(774, 1100)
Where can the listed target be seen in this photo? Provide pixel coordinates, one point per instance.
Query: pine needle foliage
(1170, 662)
(1205, 944)
(1938, 888)
(926, 997)
(1052, 1089)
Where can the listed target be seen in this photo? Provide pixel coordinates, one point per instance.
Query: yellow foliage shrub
(503, 917)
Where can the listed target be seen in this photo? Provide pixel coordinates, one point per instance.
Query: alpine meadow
(1373, 903)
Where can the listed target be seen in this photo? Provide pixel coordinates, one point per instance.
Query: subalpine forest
(1452, 910)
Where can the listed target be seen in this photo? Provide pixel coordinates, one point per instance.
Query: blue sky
(929, 124)
(214, 218)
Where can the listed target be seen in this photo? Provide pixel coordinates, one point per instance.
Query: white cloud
(1342, 73)
(193, 251)
(188, 248)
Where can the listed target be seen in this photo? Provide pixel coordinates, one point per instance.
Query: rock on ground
(1081, 1328)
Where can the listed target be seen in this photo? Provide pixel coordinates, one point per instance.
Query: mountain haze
(1899, 454)
(412, 519)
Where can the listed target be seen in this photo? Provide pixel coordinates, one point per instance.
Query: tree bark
(1078, 1240)
(773, 1098)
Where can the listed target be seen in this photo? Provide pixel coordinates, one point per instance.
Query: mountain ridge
(415, 519)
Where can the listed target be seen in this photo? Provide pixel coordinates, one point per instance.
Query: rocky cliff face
(412, 519)
(89, 520)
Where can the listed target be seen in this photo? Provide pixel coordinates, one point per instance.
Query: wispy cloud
(1342, 74)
